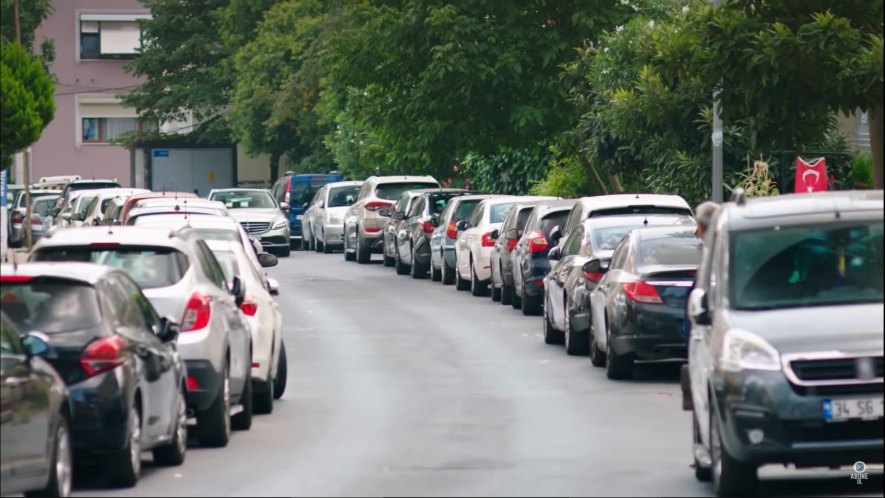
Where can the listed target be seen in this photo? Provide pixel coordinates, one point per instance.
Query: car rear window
(50, 305)
(42, 205)
(228, 262)
(551, 221)
(393, 191)
(464, 209)
(639, 210)
(92, 185)
(338, 195)
(683, 248)
(499, 211)
(149, 267)
(439, 201)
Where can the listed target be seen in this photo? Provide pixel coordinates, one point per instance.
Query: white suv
(363, 221)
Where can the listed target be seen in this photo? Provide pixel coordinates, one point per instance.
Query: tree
(31, 13)
(27, 101)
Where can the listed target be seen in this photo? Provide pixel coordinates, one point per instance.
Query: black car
(35, 456)
(529, 258)
(573, 278)
(118, 358)
(639, 305)
(500, 260)
(397, 215)
(413, 237)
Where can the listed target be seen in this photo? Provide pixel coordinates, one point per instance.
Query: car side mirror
(238, 290)
(555, 234)
(167, 329)
(698, 308)
(595, 267)
(461, 226)
(385, 212)
(284, 206)
(273, 287)
(512, 234)
(555, 254)
(35, 344)
(267, 259)
(495, 234)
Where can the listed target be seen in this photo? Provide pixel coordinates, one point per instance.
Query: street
(401, 388)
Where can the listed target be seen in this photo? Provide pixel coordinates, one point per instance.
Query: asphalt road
(400, 387)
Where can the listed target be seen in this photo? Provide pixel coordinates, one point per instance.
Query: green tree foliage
(31, 14)
(27, 101)
(507, 172)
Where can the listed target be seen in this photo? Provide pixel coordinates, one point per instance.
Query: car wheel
(496, 293)
(531, 305)
(401, 268)
(477, 288)
(551, 335)
(61, 470)
(318, 245)
(460, 283)
(124, 467)
(419, 271)
(730, 477)
(702, 474)
(243, 420)
(173, 453)
(597, 356)
(515, 300)
(279, 382)
(448, 276)
(262, 396)
(363, 254)
(327, 249)
(575, 342)
(213, 424)
(348, 256)
(617, 366)
(435, 273)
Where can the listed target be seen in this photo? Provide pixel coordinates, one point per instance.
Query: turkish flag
(811, 176)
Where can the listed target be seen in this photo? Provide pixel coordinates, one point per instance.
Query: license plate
(837, 410)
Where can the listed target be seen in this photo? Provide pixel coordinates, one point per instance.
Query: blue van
(297, 191)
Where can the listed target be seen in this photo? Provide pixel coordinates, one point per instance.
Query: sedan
(508, 235)
(324, 219)
(639, 305)
(35, 452)
(260, 215)
(445, 233)
(116, 355)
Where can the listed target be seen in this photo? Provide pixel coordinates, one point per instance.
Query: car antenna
(645, 221)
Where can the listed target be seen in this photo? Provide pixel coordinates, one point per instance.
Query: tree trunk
(593, 174)
(274, 167)
(617, 188)
(876, 131)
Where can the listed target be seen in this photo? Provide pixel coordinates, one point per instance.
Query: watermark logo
(860, 472)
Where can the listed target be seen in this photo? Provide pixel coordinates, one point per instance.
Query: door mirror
(595, 269)
(35, 344)
(284, 206)
(555, 234)
(555, 254)
(461, 226)
(267, 259)
(167, 329)
(385, 212)
(698, 308)
(512, 234)
(238, 290)
(273, 287)
(495, 234)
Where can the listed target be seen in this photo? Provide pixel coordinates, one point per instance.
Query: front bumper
(791, 419)
(650, 332)
(273, 239)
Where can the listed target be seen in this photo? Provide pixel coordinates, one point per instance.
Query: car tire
(401, 268)
(506, 295)
(477, 288)
(435, 274)
(214, 423)
(123, 467)
(531, 305)
(243, 420)
(448, 274)
(173, 453)
(418, 270)
(617, 366)
(576, 343)
(496, 293)
(348, 256)
(730, 477)
(327, 249)
(262, 396)
(515, 300)
(282, 377)
(460, 283)
(597, 356)
(318, 245)
(363, 254)
(60, 464)
(702, 474)
(551, 335)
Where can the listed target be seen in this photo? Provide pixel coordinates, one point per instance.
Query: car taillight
(249, 306)
(452, 230)
(376, 205)
(537, 242)
(102, 355)
(197, 312)
(487, 240)
(17, 216)
(511, 243)
(427, 227)
(593, 276)
(36, 221)
(642, 292)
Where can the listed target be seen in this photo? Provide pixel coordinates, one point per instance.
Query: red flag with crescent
(811, 176)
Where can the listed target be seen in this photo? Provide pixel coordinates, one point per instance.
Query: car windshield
(498, 212)
(677, 248)
(163, 219)
(338, 195)
(50, 306)
(229, 235)
(598, 213)
(838, 263)
(149, 267)
(245, 199)
(393, 191)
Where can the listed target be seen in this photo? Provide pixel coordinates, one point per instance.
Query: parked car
(508, 235)
(138, 200)
(363, 221)
(786, 341)
(99, 206)
(116, 355)
(35, 429)
(74, 209)
(11, 190)
(293, 194)
(445, 233)
(574, 276)
(324, 219)
(396, 217)
(80, 184)
(639, 304)
(261, 313)
(40, 209)
(17, 213)
(259, 214)
(529, 258)
(182, 279)
(413, 238)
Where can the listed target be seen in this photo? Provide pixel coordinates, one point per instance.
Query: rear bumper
(333, 235)
(207, 380)
(482, 264)
(422, 251)
(651, 332)
(100, 412)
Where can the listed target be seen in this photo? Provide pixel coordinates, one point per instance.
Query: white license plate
(836, 410)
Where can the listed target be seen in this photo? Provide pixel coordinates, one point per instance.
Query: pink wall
(57, 152)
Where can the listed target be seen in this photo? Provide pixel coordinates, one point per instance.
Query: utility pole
(717, 138)
(27, 160)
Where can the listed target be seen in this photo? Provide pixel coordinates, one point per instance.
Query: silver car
(259, 214)
(17, 214)
(324, 219)
(181, 278)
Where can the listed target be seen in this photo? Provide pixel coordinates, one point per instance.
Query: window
(110, 36)
(338, 196)
(573, 243)
(150, 267)
(245, 199)
(390, 191)
(104, 130)
(417, 207)
(210, 265)
(51, 305)
(499, 211)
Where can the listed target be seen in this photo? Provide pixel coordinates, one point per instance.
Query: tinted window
(302, 191)
(465, 209)
(228, 262)
(149, 267)
(553, 220)
(85, 202)
(92, 185)
(682, 248)
(439, 201)
(639, 210)
(499, 211)
(391, 191)
(50, 305)
(338, 195)
(807, 266)
(523, 217)
(42, 206)
(245, 199)
(210, 265)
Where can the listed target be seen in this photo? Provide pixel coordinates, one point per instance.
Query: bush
(566, 178)
(861, 172)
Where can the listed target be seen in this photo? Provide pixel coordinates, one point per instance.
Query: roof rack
(739, 196)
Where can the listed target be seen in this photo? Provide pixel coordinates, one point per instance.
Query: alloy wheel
(135, 441)
(63, 462)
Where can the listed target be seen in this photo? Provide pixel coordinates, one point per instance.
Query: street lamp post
(717, 138)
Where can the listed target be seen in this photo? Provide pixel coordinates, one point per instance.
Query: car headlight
(743, 350)
(280, 224)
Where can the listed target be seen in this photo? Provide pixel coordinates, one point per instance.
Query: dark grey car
(508, 236)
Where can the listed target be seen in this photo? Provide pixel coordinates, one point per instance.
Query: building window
(105, 130)
(110, 36)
